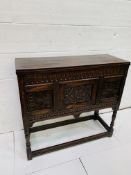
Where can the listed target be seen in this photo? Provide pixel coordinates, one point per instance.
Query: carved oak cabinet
(61, 86)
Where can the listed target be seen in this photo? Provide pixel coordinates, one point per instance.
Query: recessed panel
(78, 93)
(39, 97)
(111, 88)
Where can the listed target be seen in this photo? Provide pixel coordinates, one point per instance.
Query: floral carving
(39, 100)
(77, 94)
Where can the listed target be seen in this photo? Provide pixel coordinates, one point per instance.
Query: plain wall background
(31, 28)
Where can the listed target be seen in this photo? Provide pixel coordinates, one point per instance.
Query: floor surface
(107, 156)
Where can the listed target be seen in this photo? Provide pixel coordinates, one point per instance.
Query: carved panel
(77, 94)
(39, 100)
(111, 89)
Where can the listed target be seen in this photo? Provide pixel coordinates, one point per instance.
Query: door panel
(77, 93)
(111, 88)
(39, 97)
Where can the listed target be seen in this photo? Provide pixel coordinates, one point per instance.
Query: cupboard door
(78, 93)
(111, 88)
(39, 98)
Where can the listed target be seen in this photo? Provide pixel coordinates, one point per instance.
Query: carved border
(57, 114)
(40, 77)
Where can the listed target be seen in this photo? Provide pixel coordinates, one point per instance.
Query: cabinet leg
(28, 147)
(96, 114)
(112, 122)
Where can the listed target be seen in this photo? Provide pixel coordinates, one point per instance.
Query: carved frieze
(41, 77)
(52, 115)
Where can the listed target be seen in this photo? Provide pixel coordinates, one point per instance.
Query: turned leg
(112, 122)
(96, 114)
(28, 146)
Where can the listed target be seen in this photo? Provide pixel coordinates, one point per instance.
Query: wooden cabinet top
(24, 64)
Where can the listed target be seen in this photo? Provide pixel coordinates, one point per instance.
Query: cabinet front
(77, 93)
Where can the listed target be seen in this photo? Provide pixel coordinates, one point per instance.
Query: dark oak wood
(60, 86)
(65, 61)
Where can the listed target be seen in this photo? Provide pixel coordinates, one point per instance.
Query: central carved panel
(39, 100)
(77, 94)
